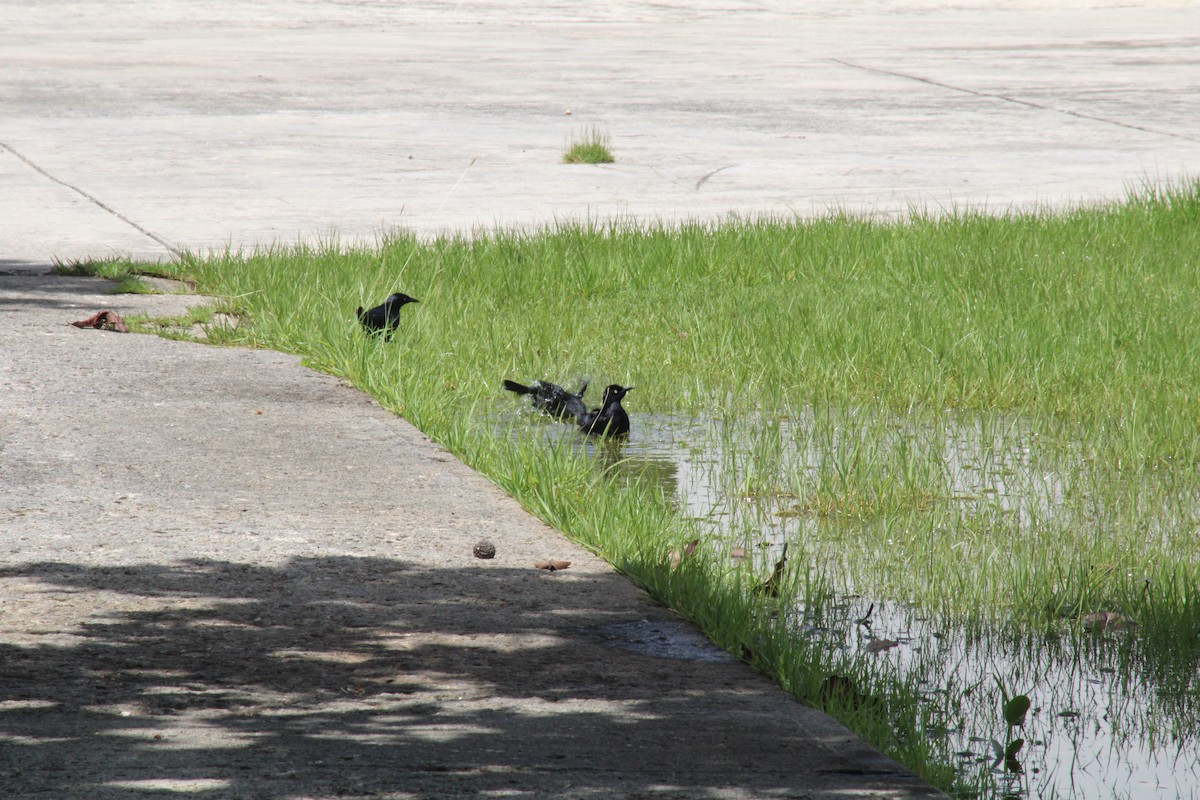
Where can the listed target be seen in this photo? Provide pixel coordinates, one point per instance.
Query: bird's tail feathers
(513, 386)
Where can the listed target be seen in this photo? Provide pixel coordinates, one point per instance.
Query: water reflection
(1094, 729)
(1100, 725)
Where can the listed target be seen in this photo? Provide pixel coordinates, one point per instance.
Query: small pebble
(485, 549)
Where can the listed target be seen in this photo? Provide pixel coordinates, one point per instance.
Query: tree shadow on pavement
(367, 677)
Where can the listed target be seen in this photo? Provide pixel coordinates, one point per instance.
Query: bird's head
(399, 298)
(614, 392)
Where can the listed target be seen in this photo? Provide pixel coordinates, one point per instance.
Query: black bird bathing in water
(552, 398)
(610, 419)
(385, 316)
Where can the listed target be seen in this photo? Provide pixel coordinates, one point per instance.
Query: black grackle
(386, 316)
(610, 419)
(552, 398)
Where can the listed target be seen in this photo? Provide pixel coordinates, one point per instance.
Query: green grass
(114, 269)
(126, 274)
(213, 324)
(589, 147)
(850, 361)
(122, 272)
(132, 284)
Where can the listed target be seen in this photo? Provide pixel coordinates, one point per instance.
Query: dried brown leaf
(1106, 620)
(771, 586)
(676, 556)
(104, 320)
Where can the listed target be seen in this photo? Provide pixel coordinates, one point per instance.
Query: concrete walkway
(225, 576)
(137, 127)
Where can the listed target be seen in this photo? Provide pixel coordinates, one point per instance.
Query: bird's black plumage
(610, 419)
(552, 398)
(386, 315)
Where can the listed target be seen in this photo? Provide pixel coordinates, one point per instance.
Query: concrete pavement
(136, 128)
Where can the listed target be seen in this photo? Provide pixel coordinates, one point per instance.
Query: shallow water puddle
(1093, 729)
(1097, 727)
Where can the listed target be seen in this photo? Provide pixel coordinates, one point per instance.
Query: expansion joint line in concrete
(1015, 100)
(704, 178)
(92, 199)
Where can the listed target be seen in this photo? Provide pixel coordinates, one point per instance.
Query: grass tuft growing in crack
(590, 147)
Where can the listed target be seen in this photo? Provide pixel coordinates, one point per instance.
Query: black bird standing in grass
(386, 316)
(610, 419)
(552, 398)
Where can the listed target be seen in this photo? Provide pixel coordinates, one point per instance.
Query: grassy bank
(1061, 348)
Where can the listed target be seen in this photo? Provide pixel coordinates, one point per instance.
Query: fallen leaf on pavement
(103, 320)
